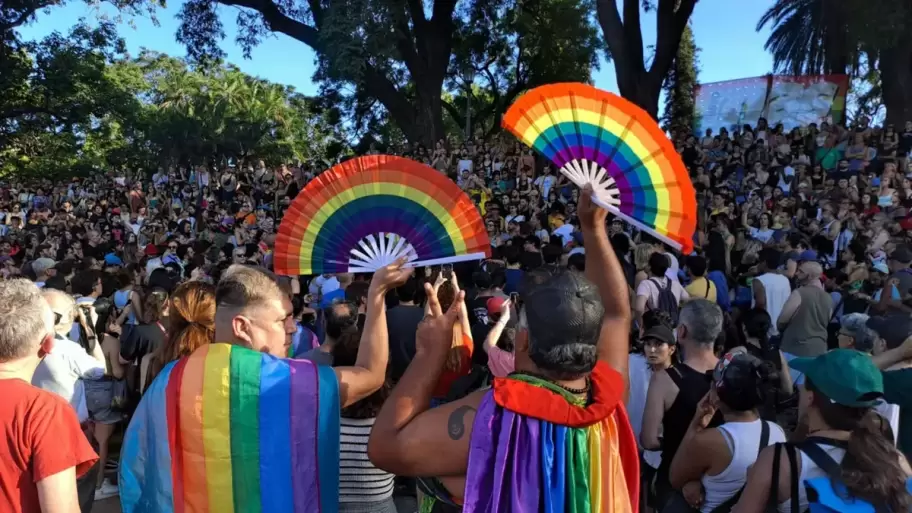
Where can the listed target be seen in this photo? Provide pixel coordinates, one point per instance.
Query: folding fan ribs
(597, 138)
(365, 213)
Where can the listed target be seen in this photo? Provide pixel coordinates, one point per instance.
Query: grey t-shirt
(63, 370)
(318, 357)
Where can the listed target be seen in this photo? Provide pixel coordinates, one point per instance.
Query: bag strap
(772, 503)
(820, 457)
(764, 437)
(795, 477)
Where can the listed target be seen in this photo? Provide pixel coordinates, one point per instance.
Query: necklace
(574, 391)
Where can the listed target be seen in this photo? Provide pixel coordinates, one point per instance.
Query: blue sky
(724, 29)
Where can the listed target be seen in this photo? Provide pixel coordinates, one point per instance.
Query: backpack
(667, 301)
(825, 494)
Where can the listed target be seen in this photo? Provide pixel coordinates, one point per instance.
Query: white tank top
(777, 289)
(743, 440)
(809, 470)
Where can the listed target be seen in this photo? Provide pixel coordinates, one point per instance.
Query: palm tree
(809, 37)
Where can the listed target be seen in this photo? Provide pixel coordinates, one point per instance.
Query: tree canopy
(680, 85)
(78, 103)
(867, 40)
(395, 59)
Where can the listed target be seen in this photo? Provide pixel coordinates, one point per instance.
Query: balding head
(809, 272)
(61, 304)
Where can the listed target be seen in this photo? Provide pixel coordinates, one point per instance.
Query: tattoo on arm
(456, 423)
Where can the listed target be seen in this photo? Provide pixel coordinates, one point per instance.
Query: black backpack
(667, 301)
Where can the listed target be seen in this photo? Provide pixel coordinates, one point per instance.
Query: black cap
(893, 329)
(563, 308)
(661, 333)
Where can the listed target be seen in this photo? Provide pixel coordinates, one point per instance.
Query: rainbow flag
(231, 430)
(534, 448)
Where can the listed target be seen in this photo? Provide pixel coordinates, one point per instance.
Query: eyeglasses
(172, 247)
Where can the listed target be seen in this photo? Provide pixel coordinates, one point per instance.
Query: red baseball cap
(495, 304)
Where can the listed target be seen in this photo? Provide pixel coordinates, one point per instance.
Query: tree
(638, 83)
(391, 59)
(680, 85)
(851, 36)
(56, 97)
(512, 46)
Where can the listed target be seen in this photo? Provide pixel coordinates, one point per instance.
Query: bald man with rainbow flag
(237, 428)
(553, 436)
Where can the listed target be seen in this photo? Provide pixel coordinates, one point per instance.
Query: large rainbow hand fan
(595, 137)
(365, 213)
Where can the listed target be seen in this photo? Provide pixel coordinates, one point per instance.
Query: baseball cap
(150, 250)
(41, 265)
(808, 255)
(846, 376)
(881, 267)
(901, 254)
(660, 333)
(893, 329)
(494, 305)
(561, 309)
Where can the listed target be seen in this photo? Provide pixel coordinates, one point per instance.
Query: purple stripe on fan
(304, 411)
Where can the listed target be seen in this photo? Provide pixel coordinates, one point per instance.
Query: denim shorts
(99, 394)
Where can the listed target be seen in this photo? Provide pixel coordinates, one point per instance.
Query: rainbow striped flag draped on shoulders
(535, 448)
(231, 430)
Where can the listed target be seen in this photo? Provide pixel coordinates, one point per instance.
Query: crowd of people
(769, 369)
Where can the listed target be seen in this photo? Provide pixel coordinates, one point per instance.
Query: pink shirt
(501, 362)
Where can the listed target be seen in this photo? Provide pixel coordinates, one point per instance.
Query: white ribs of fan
(582, 172)
(380, 250)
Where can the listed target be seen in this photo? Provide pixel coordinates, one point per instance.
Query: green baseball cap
(846, 376)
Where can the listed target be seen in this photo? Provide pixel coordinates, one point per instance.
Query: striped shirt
(359, 480)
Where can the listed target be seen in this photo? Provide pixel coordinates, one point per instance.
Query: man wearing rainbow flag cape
(553, 436)
(234, 427)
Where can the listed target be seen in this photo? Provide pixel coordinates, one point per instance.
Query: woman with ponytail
(846, 457)
(191, 325)
(755, 325)
(710, 466)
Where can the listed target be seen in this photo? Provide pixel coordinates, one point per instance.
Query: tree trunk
(896, 78)
(625, 41)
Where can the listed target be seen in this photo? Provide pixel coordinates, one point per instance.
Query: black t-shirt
(141, 340)
(478, 310)
(401, 324)
(479, 334)
(905, 141)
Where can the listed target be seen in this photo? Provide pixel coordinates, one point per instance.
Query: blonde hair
(641, 256)
(243, 286)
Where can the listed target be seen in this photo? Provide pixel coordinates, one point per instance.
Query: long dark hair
(871, 467)
(345, 353)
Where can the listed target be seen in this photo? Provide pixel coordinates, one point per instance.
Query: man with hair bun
(45, 449)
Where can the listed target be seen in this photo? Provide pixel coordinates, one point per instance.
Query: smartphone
(447, 270)
(514, 297)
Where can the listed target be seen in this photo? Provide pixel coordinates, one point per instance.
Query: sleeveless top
(692, 386)
(743, 440)
(806, 333)
(777, 289)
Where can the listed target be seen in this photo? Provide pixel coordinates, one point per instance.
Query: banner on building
(791, 101)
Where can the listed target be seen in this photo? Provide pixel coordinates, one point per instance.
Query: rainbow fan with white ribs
(597, 138)
(365, 213)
